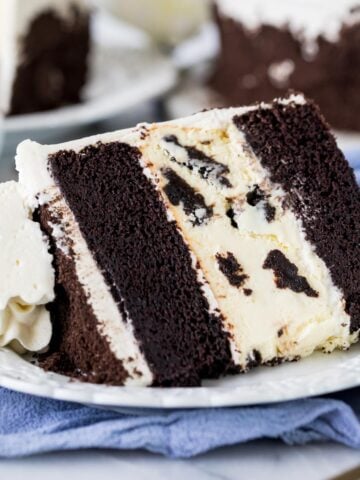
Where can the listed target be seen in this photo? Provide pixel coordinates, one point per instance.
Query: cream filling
(276, 322)
(27, 276)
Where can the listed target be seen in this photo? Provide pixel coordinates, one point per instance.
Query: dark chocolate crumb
(254, 359)
(231, 268)
(247, 292)
(137, 373)
(144, 132)
(206, 166)
(178, 191)
(270, 212)
(256, 196)
(280, 332)
(231, 214)
(286, 274)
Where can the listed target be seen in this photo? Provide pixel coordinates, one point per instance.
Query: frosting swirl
(27, 279)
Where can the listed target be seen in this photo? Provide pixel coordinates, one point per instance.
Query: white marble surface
(263, 460)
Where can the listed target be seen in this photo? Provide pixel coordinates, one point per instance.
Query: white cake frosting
(27, 278)
(306, 19)
(16, 17)
(254, 322)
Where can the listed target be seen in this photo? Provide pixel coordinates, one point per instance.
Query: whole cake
(44, 46)
(309, 45)
(194, 248)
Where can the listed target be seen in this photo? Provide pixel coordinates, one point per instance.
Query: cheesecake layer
(276, 293)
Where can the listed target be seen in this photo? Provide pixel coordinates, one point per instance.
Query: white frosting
(27, 278)
(15, 19)
(306, 19)
(254, 321)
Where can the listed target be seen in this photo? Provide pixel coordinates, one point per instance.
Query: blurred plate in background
(121, 78)
(126, 71)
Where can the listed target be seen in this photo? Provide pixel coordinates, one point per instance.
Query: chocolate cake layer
(54, 62)
(263, 63)
(144, 260)
(300, 154)
(77, 349)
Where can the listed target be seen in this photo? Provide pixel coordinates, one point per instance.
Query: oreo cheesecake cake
(309, 45)
(44, 46)
(194, 248)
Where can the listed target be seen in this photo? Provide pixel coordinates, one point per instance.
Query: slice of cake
(193, 248)
(27, 275)
(309, 45)
(44, 46)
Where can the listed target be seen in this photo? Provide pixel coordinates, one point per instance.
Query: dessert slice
(193, 248)
(44, 46)
(309, 45)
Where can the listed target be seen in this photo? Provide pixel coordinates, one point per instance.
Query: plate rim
(57, 387)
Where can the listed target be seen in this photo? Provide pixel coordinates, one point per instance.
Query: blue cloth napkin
(30, 425)
(353, 157)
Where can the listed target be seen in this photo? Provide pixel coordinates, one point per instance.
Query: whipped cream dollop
(26, 275)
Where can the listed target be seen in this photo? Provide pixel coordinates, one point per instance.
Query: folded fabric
(353, 157)
(30, 425)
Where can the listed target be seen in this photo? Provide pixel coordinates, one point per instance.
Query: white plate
(316, 375)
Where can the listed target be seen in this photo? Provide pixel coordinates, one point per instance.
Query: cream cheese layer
(240, 229)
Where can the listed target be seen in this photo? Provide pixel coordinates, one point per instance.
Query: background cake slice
(193, 248)
(44, 46)
(310, 45)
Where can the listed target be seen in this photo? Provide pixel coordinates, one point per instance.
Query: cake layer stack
(190, 249)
